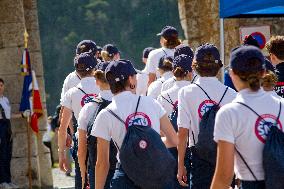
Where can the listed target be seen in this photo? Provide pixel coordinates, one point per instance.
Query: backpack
(206, 147)
(144, 157)
(173, 116)
(273, 154)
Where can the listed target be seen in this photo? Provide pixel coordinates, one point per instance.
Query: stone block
(12, 34)
(36, 63)
(11, 11)
(45, 169)
(20, 144)
(11, 58)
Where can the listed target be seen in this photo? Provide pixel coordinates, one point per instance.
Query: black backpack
(273, 154)
(173, 116)
(144, 157)
(206, 147)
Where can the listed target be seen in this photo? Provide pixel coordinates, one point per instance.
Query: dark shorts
(252, 185)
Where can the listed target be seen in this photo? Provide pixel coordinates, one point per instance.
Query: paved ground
(60, 180)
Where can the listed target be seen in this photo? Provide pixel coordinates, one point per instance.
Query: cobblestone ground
(61, 181)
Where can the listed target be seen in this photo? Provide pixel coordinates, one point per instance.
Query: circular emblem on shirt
(175, 105)
(88, 98)
(263, 127)
(143, 144)
(205, 106)
(140, 119)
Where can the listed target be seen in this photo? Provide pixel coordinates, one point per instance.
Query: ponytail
(179, 72)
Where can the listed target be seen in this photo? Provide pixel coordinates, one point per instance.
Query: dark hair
(171, 42)
(2, 81)
(84, 73)
(276, 46)
(208, 68)
(116, 87)
(253, 78)
(179, 72)
(269, 79)
(100, 75)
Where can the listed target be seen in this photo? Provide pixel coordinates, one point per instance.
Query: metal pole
(222, 47)
(29, 152)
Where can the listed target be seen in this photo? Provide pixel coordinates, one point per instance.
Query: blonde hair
(106, 56)
(269, 80)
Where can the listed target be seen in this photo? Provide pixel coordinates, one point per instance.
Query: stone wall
(200, 22)
(15, 16)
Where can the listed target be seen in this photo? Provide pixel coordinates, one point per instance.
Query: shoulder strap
(193, 79)
(280, 108)
(115, 115)
(223, 95)
(249, 108)
(203, 91)
(165, 52)
(246, 164)
(137, 106)
(78, 76)
(82, 90)
(169, 101)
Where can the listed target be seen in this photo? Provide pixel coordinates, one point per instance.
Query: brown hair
(269, 79)
(106, 56)
(252, 77)
(171, 42)
(276, 46)
(167, 65)
(84, 73)
(206, 69)
(179, 72)
(116, 87)
(100, 75)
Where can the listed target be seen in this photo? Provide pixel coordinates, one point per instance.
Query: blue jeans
(78, 178)
(5, 150)
(252, 185)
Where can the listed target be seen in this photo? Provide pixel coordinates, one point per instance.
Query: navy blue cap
(120, 69)
(162, 59)
(204, 52)
(85, 61)
(111, 49)
(168, 31)
(241, 56)
(269, 65)
(102, 66)
(99, 48)
(183, 61)
(86, 46)
(146, 51)
(183, 49)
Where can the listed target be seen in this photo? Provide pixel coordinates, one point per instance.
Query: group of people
(173, 124)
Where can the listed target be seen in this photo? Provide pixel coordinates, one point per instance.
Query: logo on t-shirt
(175, 105)
(262, 127)
(88, 98)
(205, 106)
(139, 119)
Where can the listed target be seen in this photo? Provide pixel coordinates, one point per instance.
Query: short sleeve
(184, 116)
(161, 111)
(102, 126)
(67, 99)
(85, 116)
(64, 89)
(224, 126)
(152, 63)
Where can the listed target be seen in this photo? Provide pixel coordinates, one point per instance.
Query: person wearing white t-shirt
(73, 101)
(268, 83)
(110, 52)
(169, 40)
(193, 103)
(238, 130)
(142, 78)
(122, 79)
(165, 69)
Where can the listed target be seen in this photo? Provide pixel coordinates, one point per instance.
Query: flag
(30, 101)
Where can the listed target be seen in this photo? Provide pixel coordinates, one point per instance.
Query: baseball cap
(85, 62)
(102, 66)
(120, 69)
(99, 48)
(111, 49)
(146, 52)
(168, 31)
(162, 59)
(86, 46)
(183, 49)
(269, 65)
(183, 61)
(241, 56)
(250, 40)
(208, 53)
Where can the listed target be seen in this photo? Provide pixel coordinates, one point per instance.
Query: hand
(68, 141)
(182, 176)
(62, 161)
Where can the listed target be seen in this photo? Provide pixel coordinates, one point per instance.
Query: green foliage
(130, 24)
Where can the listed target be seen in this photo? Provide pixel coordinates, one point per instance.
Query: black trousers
(48, 145)
(5, 150)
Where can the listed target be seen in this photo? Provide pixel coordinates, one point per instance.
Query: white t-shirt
(154, 89)
(149, 112)
(154, 58)
(6, 106)
(72, 80)
(142, 83)
(172, 96)
(193, 103)
(238, 125)
(75, 99)
(170, 82)
(89, 109)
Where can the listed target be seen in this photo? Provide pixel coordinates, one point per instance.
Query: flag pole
(26, 35)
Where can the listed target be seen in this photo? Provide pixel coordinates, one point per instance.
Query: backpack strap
(78, 76)
(203, 91)
(193, 79)
(115, 115)
(137, 106)
(82, 91)
(165, 52)
(169, 101)
(223, 95)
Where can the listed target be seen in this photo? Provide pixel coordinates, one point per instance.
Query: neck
(105, 87)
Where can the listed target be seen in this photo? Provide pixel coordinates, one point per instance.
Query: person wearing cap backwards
(237, 136)
(142, 78)
(193, 103)
(275, 48)
(169, 40)
(179, 50)
(73, 101)
(85, 117)
(110, 52)
(122, 79)
(165, 68)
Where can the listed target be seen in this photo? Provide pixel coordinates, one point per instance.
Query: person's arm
(62, 136)
(82, 153)
(224, 167)
(152, 78)
(169, 132)
(102, 165)
(182, 173)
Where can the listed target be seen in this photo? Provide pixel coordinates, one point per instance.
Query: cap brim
(138, 71)
(159, 34)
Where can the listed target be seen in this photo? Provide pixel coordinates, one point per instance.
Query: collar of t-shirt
(206, 80)
(249, 94)
(106, 94)
(181, 83)
(121, 96)
(167, 75)
(85, 81)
